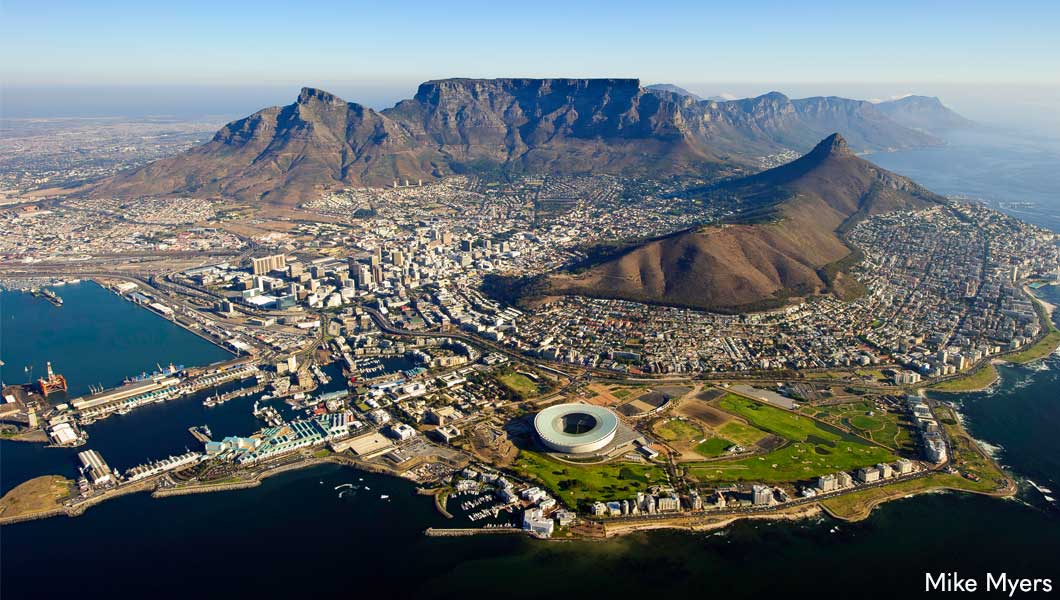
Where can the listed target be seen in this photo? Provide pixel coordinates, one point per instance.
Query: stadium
(576, 428)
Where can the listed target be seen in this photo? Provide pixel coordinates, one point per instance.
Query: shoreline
(695, 522)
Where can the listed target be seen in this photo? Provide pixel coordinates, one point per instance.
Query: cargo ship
(160, 372)
(48, 295)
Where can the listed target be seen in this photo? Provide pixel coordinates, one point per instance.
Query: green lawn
(857, 505)
(1043, 348)
(885, 428)
(519, 384)
(798, 461)
(967, 457)
(675, 429)
(713, 447)
(774, 420)
(577, 484)
(813, 449)
(976, 380)
(741, 434)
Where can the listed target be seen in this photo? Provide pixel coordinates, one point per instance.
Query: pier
(201, 433)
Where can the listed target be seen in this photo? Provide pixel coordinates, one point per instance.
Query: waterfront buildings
(98, 471)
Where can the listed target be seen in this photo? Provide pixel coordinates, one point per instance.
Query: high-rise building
(869, 474)
(364, 277)
(763, 495)
(826, 483)
(265, 264)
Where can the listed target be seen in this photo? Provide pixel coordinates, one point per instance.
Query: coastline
(151, 485)
(697, 522)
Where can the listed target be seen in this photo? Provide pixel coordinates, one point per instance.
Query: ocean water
(95, 338)
(995, 166)
(295, 535)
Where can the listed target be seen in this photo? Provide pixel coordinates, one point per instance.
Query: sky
(233, 57)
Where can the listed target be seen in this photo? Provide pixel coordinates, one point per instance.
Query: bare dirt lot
(698, 409)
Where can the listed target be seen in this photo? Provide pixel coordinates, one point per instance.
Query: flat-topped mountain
(564, 126)
(788, 244)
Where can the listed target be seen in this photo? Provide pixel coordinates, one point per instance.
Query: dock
(460, 532)
(201, 433)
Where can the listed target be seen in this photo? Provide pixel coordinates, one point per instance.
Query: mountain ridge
(289, 154)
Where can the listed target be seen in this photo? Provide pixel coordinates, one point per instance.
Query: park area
(864, 417)
(692, 441)
(811, 449)
(576, 484)
(519, 384)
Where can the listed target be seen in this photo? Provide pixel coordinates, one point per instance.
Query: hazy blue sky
(375, 52)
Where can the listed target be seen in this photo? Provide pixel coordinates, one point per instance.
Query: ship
(47, 294)
(52, 297)
(160, 372)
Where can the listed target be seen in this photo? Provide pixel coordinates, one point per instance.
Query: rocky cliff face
(291, 153)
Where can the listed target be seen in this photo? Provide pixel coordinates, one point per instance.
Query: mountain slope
(291, 154)
(745, 265)
(673, 89)
(923, 112)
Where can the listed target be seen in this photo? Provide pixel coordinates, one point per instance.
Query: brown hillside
(740, 266)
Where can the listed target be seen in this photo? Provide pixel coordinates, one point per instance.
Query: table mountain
(566, 126)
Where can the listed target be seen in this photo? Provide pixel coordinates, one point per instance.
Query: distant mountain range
(925, 113)
(787, 241)
(289, 154)
(673, 89)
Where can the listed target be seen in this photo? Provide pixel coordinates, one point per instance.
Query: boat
(52, 297)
